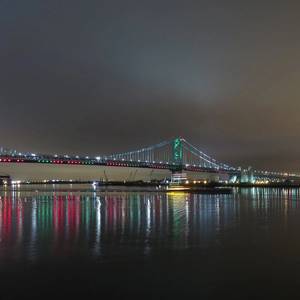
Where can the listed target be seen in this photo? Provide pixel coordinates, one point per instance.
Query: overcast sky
(98, 77)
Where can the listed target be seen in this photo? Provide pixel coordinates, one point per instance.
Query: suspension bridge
(155, 162)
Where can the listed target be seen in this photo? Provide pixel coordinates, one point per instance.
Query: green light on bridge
(177, 150)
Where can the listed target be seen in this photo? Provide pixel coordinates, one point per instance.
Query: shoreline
(138, 187)
(155, 184)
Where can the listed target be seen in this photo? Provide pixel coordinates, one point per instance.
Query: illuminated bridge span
(173, 156)
(177, 154)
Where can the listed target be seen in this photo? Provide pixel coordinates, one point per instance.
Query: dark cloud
(106, 76)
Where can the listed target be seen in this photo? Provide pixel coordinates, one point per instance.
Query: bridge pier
(186, 176)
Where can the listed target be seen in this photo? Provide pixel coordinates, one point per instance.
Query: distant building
(247, 176)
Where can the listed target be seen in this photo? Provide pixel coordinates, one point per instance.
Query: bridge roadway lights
(177, 155)
(176, 168)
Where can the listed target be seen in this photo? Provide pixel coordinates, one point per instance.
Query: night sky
(97, 77)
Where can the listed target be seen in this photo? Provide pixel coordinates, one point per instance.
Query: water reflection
(42, 225)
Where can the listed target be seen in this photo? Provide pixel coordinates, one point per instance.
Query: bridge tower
(177, 151)
(178, 176)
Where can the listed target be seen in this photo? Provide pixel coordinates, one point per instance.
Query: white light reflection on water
(62, 224)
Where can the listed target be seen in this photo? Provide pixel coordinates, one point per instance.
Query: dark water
(149, 245)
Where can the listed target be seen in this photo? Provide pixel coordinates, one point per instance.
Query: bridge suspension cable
(172, 152)
(178, 152)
